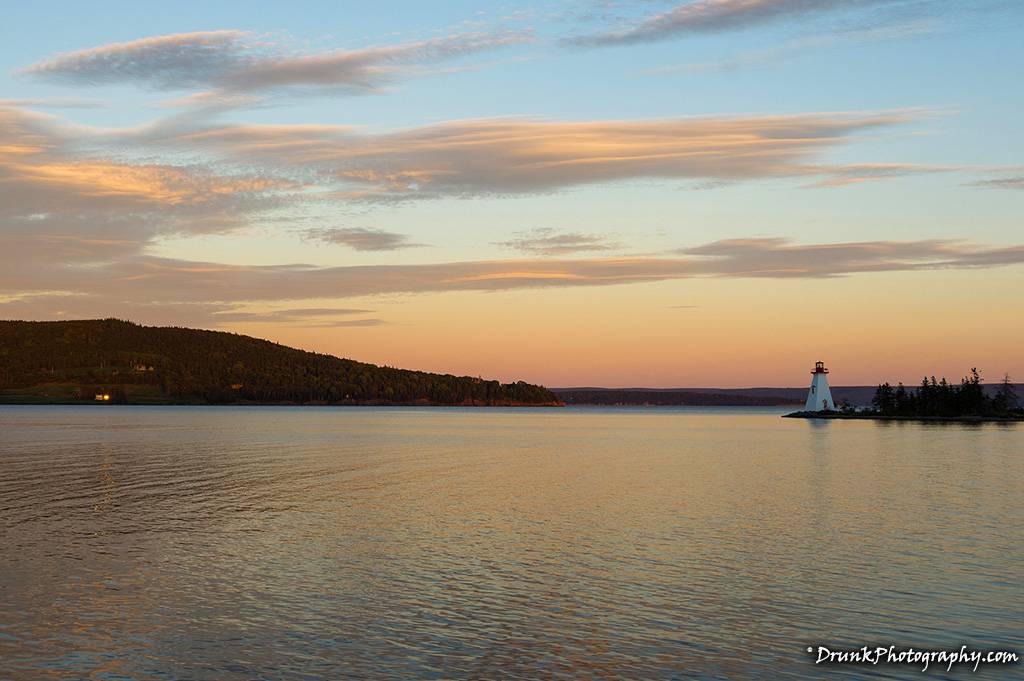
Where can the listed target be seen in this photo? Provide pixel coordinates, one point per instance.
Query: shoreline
(839, 416)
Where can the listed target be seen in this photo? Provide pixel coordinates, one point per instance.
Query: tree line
(943, 398)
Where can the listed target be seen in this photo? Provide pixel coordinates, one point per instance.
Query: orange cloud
(148, 183)
(48, 186)
(521, 156)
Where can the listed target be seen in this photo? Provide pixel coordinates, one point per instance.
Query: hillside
(77, 360)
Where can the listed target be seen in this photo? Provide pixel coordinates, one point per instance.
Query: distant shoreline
(655, 397)
(839, 416)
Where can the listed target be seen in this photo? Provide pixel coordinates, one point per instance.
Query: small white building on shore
(819, 397)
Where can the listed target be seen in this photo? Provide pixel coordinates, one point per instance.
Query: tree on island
(944, 399)
(1005, 400)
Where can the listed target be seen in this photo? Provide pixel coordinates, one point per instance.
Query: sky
(635, 193)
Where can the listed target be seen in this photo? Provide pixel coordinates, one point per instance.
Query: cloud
(546, 241)
(67, 217)
(779, 258)
(506, 157)
(151, 281)
(43, 170)
(66, 203)
(857, 173)
(290, 315)
(361, 238)
(364, 69)
(76, 219)
(54, 103)
(898, 29)
(1001, 183)
(229, 65)
(77, 305)
(128, 185)
(182, 60)
(711, 16)
(308, 317)
(345, 323)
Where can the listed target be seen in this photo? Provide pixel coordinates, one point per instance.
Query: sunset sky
(634, 193)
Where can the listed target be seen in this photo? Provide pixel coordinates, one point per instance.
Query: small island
(110, 361)
(969, 401)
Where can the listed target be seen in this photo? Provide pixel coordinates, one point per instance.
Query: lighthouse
(819, 397)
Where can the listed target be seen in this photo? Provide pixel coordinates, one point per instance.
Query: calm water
(277, 543)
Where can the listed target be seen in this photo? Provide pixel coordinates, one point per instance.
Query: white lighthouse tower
(819, 397)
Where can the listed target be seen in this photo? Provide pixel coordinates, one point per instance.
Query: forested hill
(126, 362)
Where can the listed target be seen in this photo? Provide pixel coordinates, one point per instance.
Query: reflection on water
(234, 543)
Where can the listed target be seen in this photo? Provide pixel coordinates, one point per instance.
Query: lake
(326, 543)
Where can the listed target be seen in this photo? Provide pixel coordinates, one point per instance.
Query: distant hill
(669, 397)
(122, 362)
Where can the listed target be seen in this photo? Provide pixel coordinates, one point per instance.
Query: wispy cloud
(857, 173)
(60, 205)
(362, 69)
(709, 16)
(546, 241)
(1016, 182)
(346, 323)
(54, 103)
(820, 21)
(523, 156)
(229, 66)
(289, 315)
(44, 170)
(151, 280)
(308, 317)
(74, 305)
(899, 29)
(361, 238)
(181, 60)
(779, 258)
